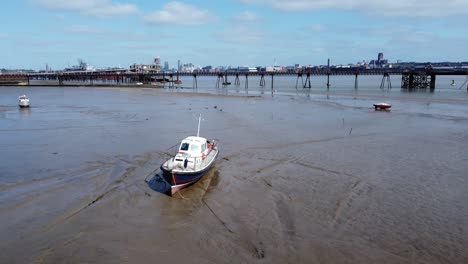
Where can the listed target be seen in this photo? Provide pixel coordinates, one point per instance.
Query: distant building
(380, 62)
(166, 66)
(157, 61)
(189, 67)
(179, 66)
(246, 69)
(82, 66)
(380, 56)
(144, 67)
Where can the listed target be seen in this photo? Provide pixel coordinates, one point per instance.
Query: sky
(110, 33)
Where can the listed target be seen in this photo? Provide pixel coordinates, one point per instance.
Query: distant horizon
(107, 33)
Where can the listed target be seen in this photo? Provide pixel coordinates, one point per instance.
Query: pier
(410, 78)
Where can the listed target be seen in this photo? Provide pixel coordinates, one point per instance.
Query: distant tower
(47, 67)
(157, 61)
(166, 66)
(380, 60)
(380, 56)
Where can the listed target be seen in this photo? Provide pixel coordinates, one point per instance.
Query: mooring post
(246, 81)
(328, 80)
(237, 81)
(262, 80)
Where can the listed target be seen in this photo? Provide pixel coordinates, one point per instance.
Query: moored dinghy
(382, 106)
(194, 158)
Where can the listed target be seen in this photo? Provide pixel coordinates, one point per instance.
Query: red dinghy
(382, 106)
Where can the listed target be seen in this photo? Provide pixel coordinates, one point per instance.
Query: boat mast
(198, 131)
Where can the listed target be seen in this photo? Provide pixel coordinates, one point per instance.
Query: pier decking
(410, 78)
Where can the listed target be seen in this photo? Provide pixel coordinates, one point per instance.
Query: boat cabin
(194, 146)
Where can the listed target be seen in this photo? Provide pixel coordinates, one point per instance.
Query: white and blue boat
(193, 159)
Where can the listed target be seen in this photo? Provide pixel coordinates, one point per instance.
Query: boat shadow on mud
(196, 191)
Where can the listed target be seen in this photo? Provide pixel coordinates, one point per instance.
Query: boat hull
(178, 179)
(23, 104)
(382, 106)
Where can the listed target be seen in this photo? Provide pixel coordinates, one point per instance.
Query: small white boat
(193, 159)
(23, 101)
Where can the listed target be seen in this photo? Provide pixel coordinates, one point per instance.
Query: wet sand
(301, 178)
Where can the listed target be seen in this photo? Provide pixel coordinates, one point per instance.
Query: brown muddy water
(301, 178)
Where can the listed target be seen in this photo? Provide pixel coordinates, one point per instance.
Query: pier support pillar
(262, 80)
(299, 75)
(195, 82)
(246, 81)
(272, 81)
(219, 80)
(237, 81)
(418, 80)
(328, 80)
(307, 82)
(386, 79)
(171, 81)
(433, 80)
(225, 82)
(356, 80)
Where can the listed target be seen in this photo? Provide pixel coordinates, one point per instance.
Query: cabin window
(184, 146)
(203, 147)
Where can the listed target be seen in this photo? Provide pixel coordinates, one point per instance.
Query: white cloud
(97, 8)
(180, 14)
(411, 8)
(246, 16)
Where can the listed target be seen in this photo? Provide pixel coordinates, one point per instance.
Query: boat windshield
(184, 146)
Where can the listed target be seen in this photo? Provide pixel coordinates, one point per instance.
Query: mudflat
(301, 178)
